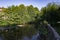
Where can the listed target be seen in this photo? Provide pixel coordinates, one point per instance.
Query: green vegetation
(25, 15)
(18, 14)
(51, 13)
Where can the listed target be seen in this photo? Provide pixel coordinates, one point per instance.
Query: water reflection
(1, 37)
(34, 37)
(19, 33)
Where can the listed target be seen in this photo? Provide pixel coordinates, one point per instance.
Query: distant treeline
(23, 14)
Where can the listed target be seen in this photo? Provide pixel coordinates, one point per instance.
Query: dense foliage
(18, 14)
(51, 13)
(23, 14)
(30, 16)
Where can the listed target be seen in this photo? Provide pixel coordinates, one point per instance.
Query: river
(35, 36)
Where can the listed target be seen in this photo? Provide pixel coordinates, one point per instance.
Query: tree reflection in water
(21, 33)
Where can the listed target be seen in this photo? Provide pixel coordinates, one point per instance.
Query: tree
(50, 13)
(20, 14)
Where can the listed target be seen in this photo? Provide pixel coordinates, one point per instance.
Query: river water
(33, 37)
(4, 35)
(1, 37)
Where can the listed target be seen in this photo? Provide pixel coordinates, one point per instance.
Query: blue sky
(35, 3)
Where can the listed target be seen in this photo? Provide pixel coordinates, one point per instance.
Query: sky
(35, 3)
